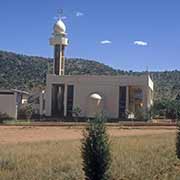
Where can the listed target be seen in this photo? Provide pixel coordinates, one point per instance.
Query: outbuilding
(10, 100)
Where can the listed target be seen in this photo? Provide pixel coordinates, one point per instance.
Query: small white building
(117, 97)
(10, 100)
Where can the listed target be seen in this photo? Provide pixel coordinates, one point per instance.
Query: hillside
(27, 72)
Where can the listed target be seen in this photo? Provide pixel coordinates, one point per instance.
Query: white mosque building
(116, 96)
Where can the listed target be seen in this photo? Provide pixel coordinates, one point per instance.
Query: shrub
(140, 115)
(76, 112)
(25, 112)
(4, 117)
(96, 151)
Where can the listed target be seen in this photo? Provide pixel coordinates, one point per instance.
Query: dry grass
(134, 157)
(41, 161)
(146, 157)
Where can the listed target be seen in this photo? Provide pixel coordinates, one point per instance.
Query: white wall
(108, 93)
(106, 86)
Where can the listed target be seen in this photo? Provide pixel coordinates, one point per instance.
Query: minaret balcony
(58, 40)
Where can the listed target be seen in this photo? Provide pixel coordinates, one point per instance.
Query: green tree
(167, 108)
(178, 140)
(96, 151)
(178, 129)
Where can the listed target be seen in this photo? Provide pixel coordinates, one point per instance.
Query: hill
(29, 72)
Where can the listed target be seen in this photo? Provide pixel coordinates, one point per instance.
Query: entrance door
(58, 100)
(70, 97)
(122, 101)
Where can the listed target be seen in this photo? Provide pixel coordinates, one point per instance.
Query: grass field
(138, 157)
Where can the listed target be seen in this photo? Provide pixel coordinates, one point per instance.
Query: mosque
(118, 97)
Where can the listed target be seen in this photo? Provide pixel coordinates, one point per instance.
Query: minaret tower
(59, 41)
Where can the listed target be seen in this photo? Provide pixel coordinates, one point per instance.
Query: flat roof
(6, 92)
(123, 80)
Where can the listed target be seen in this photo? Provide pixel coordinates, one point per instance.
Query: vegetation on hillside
(29, 72)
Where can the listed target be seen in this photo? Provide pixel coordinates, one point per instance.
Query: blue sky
(125, 34)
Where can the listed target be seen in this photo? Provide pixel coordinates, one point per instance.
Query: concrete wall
(8, 104)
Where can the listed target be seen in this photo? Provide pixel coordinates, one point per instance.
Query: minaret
(59, 41)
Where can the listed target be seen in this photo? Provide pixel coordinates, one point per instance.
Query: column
(41, 103)
(145, 99)
(48, 102)
(65, 100)
(57, 59)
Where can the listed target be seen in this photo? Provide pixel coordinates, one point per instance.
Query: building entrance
(58, 100)
(122, 102)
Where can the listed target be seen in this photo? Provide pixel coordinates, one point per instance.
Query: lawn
(133, 157)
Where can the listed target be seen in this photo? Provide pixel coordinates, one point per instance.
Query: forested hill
(27, 72)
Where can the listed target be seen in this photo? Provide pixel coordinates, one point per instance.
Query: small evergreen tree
(178, 140)
(178, 132)
(96, 151)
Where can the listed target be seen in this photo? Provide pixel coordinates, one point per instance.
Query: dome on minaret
(59, 27)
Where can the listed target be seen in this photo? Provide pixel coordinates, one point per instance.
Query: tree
(178, 132)
(178, 140)
(167, 108)
(96, 151)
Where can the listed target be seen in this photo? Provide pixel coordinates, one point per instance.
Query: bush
(140, 115)
(76, 112)
(25, 112)
(4, 117)
(96, 151)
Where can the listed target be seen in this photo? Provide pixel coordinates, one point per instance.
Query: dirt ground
(21, 134)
